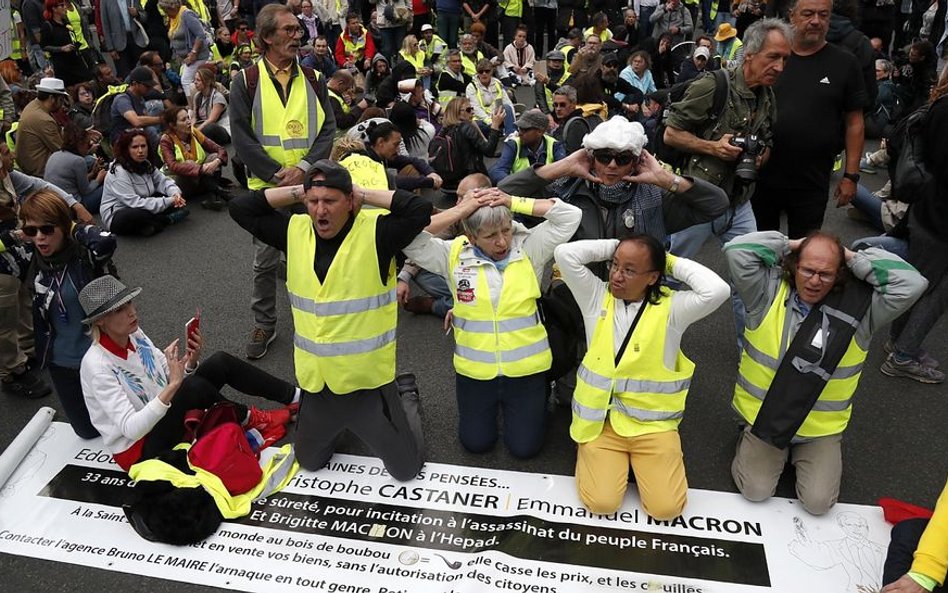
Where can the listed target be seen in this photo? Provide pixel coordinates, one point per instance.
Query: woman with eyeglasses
(138, 198)
(469, 145)
(309, 20)
(83, 101)
(188, 41)
(58, 38)
(66, 257)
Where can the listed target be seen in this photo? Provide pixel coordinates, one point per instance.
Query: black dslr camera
(747, 163)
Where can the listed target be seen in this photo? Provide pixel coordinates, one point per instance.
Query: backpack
(672, 156)
(443, 156)
(911, 179)
(221, 447)
(102, 110)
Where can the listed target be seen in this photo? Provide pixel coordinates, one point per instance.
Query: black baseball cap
(335, 176)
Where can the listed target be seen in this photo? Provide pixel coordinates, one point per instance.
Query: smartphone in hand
(191, 326)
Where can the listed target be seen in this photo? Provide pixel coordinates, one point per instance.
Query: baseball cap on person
(141, 74)
(426, 28)
(335, 176)
(702, 51)
(610, 58)
(533, 119)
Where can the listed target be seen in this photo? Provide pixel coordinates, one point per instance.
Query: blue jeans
(437, 287)
(523, 403)
(738, 220)
(91, 200)
(645, 14)
(392, 38)
(509, 126)
(448, 25)
(893, 245)
(869, 205)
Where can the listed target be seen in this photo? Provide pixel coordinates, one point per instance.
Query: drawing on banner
(859, 556)
(29, 466)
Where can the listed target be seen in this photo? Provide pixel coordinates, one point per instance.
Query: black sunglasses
(46, 229)
(558, 105)
(604, 157)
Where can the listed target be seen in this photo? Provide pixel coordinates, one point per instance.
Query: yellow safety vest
(605, 36)
(567, 50)
(417, 60)
(513, 8)
(16, 52)
(366, 172)
(75, 24)
(354, 50)
(288, 131)
(521, 162)
(344, 328)
(470, 65)
(763, 349)
(277, 473)
(200, 155)
(509, 341)
(480, 98)
(641, 395)
(732, 51)
(429, 48)
(342, 103)
(11, 136)
(549, 93)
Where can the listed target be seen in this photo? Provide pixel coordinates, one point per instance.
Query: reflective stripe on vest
(288, 131)
(521, 162)
(344, 327)
(365, 171)
(277, 473)
(74, 20)
(470, 65)
(509, 341)
(355, 50)
(760, 361)
(736, 44)
(11, 136)
(429, 48)
(641, 395)
(549, 93)
(417, 60)
(499, 94)
(342, 103)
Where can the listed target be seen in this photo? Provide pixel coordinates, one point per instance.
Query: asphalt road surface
(895, 445)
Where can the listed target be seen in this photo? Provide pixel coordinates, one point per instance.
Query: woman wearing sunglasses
(66, 257)
(59, 40)
(469, 145)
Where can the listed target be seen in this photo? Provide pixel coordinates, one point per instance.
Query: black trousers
(69, 390)
(201, 390)
(805, 209)
(905, 537)
(138, 221)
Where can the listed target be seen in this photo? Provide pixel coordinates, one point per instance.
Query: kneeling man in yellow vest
(341, 283)
(812, 308)
(501, 352)
(632, 383)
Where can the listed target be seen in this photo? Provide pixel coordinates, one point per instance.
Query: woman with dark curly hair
(138, 198)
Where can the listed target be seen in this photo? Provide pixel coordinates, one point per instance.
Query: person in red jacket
(355, 48)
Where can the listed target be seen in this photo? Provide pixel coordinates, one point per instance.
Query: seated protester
(555, 77)
(341, 90)
(600, 179)
(243, 34)
(322, 59)
(471, 55)
(163, 89)
(209, 106)
(628, 32)
(714, 60)
(600, 27)
(83, 101)
(519, 60)
(530, 146)
(242, 58)
(917, 560)
(696, 66)
(138, 198)
(412, 53)
(486, 95)
(633, 381)
(370, 168)
(494, 273)
(355, 48)
(104, 78)
(128, 108)
(608, 75)
(663, 61)
(374, 77)
(452, 81)
(812, 308)
(388, 91)
(588, 58)
(193, 160)
(138, 395)
(434, 47)
(70, 170)
(569, 45)
(916, 74)
(223, 46)
(416, 133)
(427, 109)
(66, 257)
(564, 109)
(470, 145)
(478, 31)
(881, 118)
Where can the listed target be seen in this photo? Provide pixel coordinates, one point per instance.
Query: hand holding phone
(192, 339)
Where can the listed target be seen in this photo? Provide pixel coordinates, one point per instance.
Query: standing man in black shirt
(820, 102)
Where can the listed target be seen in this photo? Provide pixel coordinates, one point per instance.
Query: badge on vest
(465, 291)
(294, 128)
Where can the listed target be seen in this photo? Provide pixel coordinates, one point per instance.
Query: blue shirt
(65, 315)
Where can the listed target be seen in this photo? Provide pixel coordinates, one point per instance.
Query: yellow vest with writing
(366, 172)
(344, 327)
(761, 359)
(521, 162)
(640, 395)
(509, 341)
(286, 132)
(277, 473)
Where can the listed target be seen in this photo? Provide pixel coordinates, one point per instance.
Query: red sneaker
(272, 435)
(265, 419)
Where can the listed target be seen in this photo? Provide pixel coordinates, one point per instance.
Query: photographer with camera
(726, 148)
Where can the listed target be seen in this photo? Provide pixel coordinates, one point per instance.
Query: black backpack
(674, 94)
(911, 179)
(443, 155)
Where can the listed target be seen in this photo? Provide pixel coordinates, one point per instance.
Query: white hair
(617, 134)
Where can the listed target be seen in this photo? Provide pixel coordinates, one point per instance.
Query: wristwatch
(675, 183)
(854, 177)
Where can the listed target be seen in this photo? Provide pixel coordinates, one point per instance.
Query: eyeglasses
(479, 72)
(604, 157)
(824, 277)
(46, 229)
(627, 273)
(292, 31)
